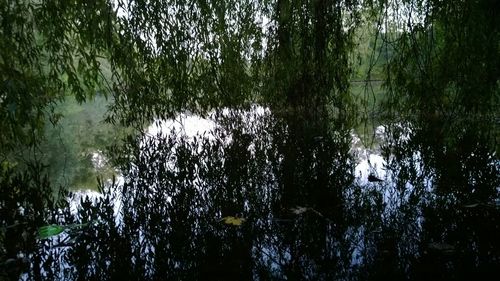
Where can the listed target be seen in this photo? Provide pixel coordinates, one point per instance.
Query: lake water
(248, 194)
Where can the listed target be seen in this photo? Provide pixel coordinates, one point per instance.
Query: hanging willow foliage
(446, 57)
(202, 54)
(158, 57)
(49, 49)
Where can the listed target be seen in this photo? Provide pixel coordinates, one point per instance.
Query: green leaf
(48, 231)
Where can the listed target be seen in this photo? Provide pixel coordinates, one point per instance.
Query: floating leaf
(299, 210)
(47, 231)
(233, 220)
(471, 205)
(442, 247)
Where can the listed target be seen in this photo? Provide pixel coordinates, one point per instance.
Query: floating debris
(233, 220)
(299, 210)
(441, 247)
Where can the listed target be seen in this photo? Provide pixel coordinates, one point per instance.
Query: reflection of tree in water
(445, 176)
(306, 216)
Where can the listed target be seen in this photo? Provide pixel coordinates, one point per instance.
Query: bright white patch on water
(99, 161)
(380, 132)
(82, 195)
(187, 125)
(373, 164)
(94, 196)
(186, 128)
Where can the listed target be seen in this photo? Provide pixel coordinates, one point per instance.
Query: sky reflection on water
(301, 186)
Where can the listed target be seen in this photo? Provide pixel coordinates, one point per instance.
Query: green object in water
(48, 231)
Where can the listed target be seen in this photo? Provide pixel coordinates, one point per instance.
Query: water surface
(248, 194)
